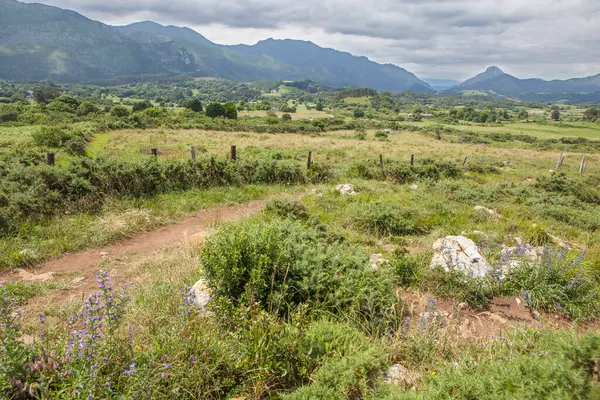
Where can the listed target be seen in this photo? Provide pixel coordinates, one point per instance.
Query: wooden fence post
(465, 161)
(581, 170)
(154, 152)
(309, 160)
(193, 152)
(50, 158)
(381, 160)
(560, 160)
(234, 152)
(412, 160)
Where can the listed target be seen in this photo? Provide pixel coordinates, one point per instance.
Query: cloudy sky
(452, 39)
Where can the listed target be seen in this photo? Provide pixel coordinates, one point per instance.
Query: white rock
(377, 261)
(523, 253)
(398, 375)
(461, 254)
(201, 294)
(413, 186)
(346, 189)
(482, 209)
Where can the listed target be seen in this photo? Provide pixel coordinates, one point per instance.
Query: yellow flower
(433, 373)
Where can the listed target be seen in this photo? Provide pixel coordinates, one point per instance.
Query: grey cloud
(536, 37)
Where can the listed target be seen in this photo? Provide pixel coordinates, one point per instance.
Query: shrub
(384, 219)
(407, 269)
(281, 265)
(381, 135)
(141, 105)
(558, 283)
(119, 111)
(287, 209)
(286, 117)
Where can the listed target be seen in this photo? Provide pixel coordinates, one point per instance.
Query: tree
(555, 115)
(119, 111)
(194, 104)
(141, 105)
(523, 114)
(319, 106)
(18, 98)
(45, 94)
(286, 117)
(86, 108)
(591, 114)
(230, 110)
(359, 113)
(215, 110)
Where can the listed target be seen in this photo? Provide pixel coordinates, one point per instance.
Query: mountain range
(497, 81)
(45, 42)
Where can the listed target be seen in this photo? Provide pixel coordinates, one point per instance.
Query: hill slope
(44, 42)
(41, 42)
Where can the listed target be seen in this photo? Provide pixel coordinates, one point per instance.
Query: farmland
(316, 290)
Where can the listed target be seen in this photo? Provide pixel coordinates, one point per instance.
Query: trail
(84, 264)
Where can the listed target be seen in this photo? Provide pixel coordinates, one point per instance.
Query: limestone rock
(460, 254)
(413, 187)
(346, 189)
(377, 261)
(485, 210)
(200, 294)
(397, 374)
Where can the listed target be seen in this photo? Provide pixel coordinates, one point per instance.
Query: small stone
(488, 211)
(201, 294)
(377, 261)
(463, 306)
(29, 277)
(413, 187)
(518, 301)
(104, 254)
(346, 189)
(397, 374)
(535, 314)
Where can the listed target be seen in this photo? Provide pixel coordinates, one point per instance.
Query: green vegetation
(318, 295)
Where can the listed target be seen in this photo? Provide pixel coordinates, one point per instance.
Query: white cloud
(432, 38)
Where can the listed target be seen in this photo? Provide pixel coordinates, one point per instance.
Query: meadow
(315, 294)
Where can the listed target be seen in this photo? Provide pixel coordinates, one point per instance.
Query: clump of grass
(285, 208)
(557, 283)
(384, 219)
(475, 292)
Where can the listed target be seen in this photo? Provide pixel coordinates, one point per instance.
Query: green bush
(384, 219)
(281, 265)
(407, 269)
(558, 283)
(287, 209)
(381, 135)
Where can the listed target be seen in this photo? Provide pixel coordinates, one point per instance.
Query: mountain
(495, 80)
(44, 42)
(333, 67)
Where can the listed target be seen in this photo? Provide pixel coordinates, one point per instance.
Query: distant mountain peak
(494, 70)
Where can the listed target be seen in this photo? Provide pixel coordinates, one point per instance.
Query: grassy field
(297, 309)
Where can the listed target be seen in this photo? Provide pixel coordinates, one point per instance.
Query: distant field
(357, 100)
(547, 130)
(301, 113)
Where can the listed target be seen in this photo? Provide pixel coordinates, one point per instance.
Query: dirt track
(85, 263)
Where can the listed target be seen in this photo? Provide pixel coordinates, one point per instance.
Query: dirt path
(84, 264)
